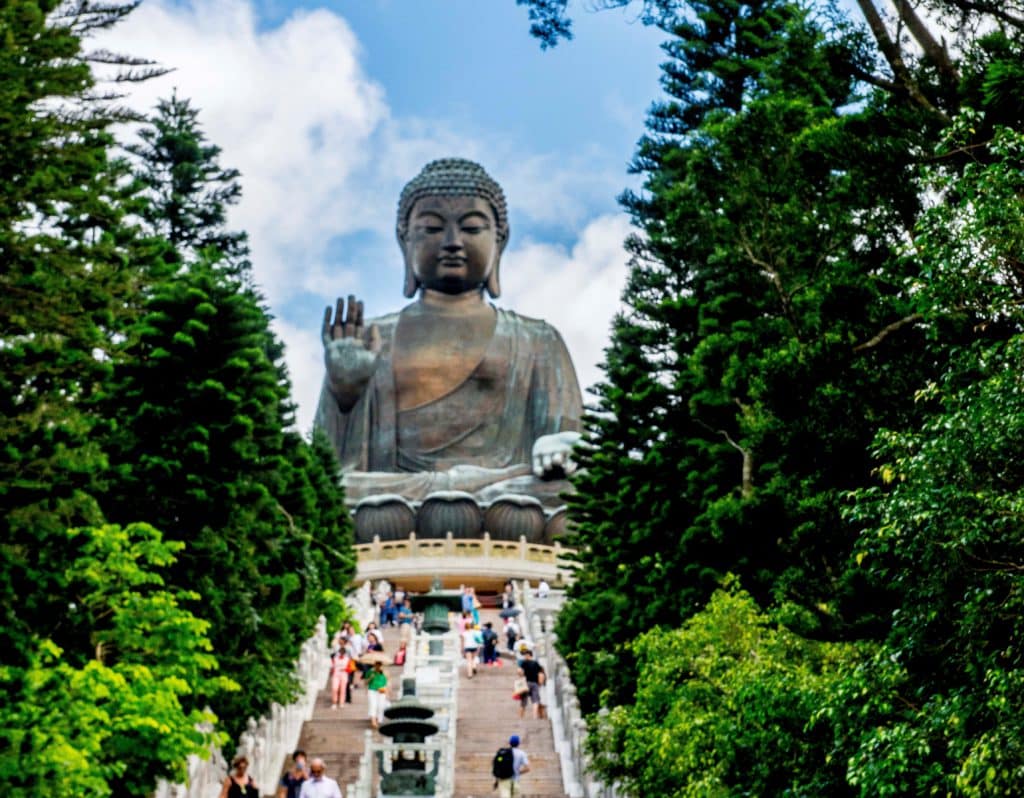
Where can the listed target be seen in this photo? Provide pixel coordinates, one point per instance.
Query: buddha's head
(452, 227)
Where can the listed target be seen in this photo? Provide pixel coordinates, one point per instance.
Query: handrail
(265, 742)
(568, 727)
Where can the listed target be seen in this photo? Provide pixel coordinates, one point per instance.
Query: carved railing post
(265, 742)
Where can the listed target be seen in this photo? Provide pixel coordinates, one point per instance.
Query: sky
(329, 108)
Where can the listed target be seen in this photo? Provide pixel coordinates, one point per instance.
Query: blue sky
(328, 108)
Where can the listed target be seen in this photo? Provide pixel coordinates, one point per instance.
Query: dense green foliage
(943, 532)
(722, 707)
(740, 376)
(66, 272)
(829, 273)
(142, 390)
(113, 719)
(199, 414)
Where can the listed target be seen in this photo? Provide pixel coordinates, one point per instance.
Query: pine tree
(69, 267)
(201, 415)
(189, 192)
(750, 397)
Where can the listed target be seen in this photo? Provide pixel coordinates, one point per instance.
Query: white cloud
(576, 290)
(292, 109)
(305, 367)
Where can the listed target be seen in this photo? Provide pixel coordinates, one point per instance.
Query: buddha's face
(451, 244)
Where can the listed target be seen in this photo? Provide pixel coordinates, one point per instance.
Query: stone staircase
(338, 736)
(487, 716)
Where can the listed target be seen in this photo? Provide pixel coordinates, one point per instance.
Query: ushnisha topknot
(454, 177)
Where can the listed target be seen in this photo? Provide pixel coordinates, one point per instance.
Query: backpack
(502, 766)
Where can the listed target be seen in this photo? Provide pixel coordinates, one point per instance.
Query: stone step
(338, 736)
(487, 716)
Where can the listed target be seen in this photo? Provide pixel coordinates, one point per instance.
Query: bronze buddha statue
(450, 393)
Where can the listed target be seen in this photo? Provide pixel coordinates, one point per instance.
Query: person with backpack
(490, 641)
(508, 765)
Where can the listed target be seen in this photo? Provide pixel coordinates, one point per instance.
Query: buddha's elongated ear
(493, 281)
(493, 284)
(411, 283)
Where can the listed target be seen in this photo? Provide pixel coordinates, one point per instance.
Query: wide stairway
(487, 717)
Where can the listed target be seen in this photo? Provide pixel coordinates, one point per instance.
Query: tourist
(405, 622)
(543, 589)
(490, 645)
(318, 785)
(388, 611)
(381, 593)
(533, 672)
(471, 642)
(507, 770)
(508, 597)
(355, 640)
(523, 645)
(342, 667)
(239, 783)
(475, 606)
(377, 694)
(511, 634)
(352, 652)
(291, 781)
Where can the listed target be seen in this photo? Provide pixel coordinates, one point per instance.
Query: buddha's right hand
(350, 353)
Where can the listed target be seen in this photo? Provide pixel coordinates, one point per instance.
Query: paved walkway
(487, 717)
(338, 735)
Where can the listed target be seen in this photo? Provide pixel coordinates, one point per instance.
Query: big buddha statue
(451, 393)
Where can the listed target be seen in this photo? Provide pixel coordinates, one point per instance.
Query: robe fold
(475, 436)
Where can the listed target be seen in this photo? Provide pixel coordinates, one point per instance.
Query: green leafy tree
(113, 718)
(746, 379)
(944, 527)
(723, 707)
(69, 267)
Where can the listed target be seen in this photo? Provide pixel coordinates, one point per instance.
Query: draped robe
(477, 437)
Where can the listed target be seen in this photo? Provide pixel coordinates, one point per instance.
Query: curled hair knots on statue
(454, 177)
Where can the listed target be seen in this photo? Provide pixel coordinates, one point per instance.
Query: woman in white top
(471, 642)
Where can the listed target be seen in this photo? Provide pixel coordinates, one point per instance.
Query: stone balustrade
(568, 726)
(415, 560)
(267, 741)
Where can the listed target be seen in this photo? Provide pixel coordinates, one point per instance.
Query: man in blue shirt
(508, 788)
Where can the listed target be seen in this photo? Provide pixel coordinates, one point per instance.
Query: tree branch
(892, 54)
(747, 474)
(933, 49)
(995, 9)
(874, 80)
(776, 280)
(888, 330)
